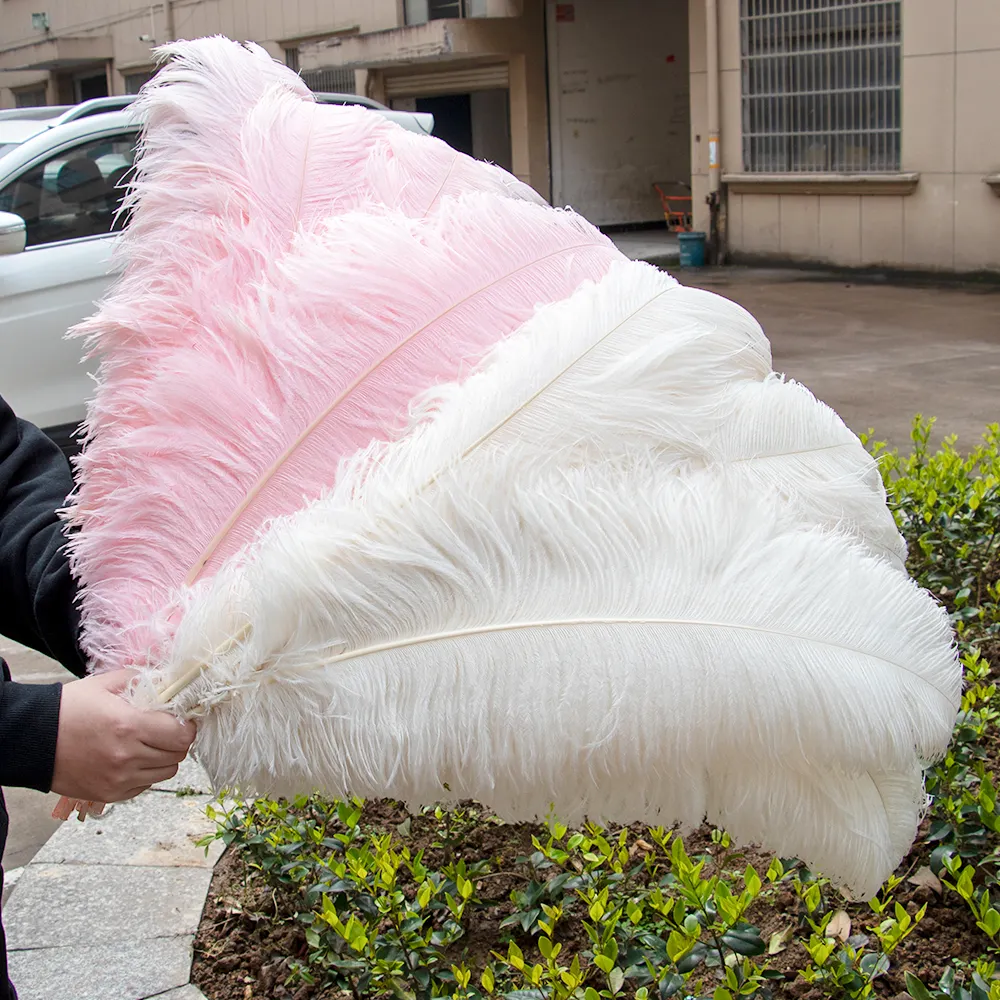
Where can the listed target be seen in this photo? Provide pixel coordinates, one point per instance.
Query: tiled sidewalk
(108, 909)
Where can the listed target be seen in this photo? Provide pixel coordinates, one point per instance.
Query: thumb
(114, 681)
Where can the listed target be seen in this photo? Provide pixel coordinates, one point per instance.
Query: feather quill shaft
(625, 622)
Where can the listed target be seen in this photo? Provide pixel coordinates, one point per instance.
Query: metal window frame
(28, 97)
(422, 11)
(821, 89)
(441, 9)
(333, 80)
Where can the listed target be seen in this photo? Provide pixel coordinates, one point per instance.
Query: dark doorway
(452, 119)
(93, 86)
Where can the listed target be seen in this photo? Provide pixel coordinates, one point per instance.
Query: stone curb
(108, 909)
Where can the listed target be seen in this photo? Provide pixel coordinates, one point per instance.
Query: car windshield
(7, 147)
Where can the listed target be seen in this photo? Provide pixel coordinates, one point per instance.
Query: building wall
(269, 22)
(618, 105)
(529, 122)
(491, 126)
(446, 56)
(950, 136)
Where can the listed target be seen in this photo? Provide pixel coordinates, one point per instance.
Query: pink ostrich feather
(222, 111)
(270, 322)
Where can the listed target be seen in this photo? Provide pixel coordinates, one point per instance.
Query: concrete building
(848, 132)
(856, 133)
(61, 51)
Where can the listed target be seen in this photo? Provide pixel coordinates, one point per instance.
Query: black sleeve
(37, 591)
(37, 596)
(29, 724)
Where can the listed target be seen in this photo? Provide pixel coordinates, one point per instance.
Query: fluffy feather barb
(239, 408)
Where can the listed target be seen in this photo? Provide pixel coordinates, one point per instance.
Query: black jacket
(37, 606)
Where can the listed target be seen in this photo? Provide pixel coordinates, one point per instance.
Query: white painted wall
(619, 105)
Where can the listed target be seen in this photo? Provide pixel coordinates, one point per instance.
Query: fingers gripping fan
(405, 484)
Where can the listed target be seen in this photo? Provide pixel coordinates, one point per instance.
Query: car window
(77, 193)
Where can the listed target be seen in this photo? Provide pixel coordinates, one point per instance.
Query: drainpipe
(715, 253)
(168, 15)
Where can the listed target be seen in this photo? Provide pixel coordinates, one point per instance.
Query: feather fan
(405, 484)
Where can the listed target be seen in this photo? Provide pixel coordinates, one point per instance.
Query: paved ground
(877, 354)
(129, 887)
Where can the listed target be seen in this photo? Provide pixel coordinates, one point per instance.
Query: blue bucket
(692, 249)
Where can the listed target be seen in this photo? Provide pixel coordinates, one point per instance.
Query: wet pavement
(878, 353)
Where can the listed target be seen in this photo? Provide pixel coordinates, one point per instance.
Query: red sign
(565, 12)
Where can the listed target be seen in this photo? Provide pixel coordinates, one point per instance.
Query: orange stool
(675, 197)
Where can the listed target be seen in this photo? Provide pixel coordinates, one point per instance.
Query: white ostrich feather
(606, 642)
(639, 361)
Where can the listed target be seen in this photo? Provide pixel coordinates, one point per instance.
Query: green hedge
(451, 903)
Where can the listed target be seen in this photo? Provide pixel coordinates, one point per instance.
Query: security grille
(329, 81)
(321, 81)
(821, 86)
(437, 9)
(422, 11)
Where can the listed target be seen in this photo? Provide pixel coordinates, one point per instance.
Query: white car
(61, 183)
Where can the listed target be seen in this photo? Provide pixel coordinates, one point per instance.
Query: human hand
(107, 750)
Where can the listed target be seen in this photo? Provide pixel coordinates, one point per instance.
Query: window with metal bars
(422, 11)
(321, 81)
(134, 81)
(329, 81)
(437, 9)
(33, 98)
(821, 89)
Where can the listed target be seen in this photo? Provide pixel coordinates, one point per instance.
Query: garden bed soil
(249, 933)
